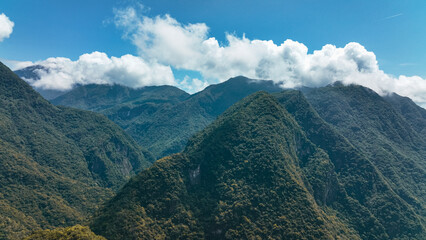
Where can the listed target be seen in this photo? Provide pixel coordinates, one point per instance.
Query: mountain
(168, 131)
(77, 232)
(162, 119)
(99, 98)
(58, 164)
(389, 136)
(412, 113)
(268, 167)
(338, 162)
(129, 107)
(239, 178)
(31, 73)
(359, 175)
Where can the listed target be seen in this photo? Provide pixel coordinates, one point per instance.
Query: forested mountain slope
(412, 113)
(359, 174)
(268, 167)
(393, 142)
(31, 73)
(57, 164)
(239, 178)
(162, 118)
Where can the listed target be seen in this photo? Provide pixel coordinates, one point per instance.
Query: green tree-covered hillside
(76, 232)
(163, 118)
(269, 167)
(360, 175)
(57, 164)
(390, 137)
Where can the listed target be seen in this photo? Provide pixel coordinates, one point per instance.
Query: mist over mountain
(58, 164)
(31, 74)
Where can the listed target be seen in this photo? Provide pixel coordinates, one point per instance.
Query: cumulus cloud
(63, 73)
(189, 47)
(192, 85)
(6, 27)
(16, 65)
(164, 43)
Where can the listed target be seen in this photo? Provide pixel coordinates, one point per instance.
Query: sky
(194, 43)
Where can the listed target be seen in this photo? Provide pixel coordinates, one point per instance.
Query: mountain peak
(31, 72)
(14, 87)
(238, 178)
(57, 163)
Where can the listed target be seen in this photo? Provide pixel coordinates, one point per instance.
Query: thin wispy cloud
(393, 16)
(407, 64)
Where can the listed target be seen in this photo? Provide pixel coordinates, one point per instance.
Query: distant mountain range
(243, 159)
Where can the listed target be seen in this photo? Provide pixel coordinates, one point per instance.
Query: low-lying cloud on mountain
(63, 73)
(6, 27)
(164, 44)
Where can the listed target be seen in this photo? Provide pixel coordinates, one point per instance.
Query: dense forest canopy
(337, 162)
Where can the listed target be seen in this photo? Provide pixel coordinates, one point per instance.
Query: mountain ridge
(213, 186)
(370, 126)
(58, 163)
(202, 177)
(164, 128)
(332, 162)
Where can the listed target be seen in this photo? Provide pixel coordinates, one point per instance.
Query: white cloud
(192, 85)
(163, 42)
(190, 47)
(15, 65)
(6, 27)
(392, 16)
(97, 67)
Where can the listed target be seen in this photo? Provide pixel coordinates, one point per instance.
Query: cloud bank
(16, 65)
(97, 67)
(6, 27)
(189, 47)
(164, 44)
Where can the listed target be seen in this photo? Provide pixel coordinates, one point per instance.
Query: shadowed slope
(412, 113)
(358, 174)
(57, 163)
(385, 138)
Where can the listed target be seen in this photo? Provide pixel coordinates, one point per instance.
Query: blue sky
(51, 28)
(389, 37)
